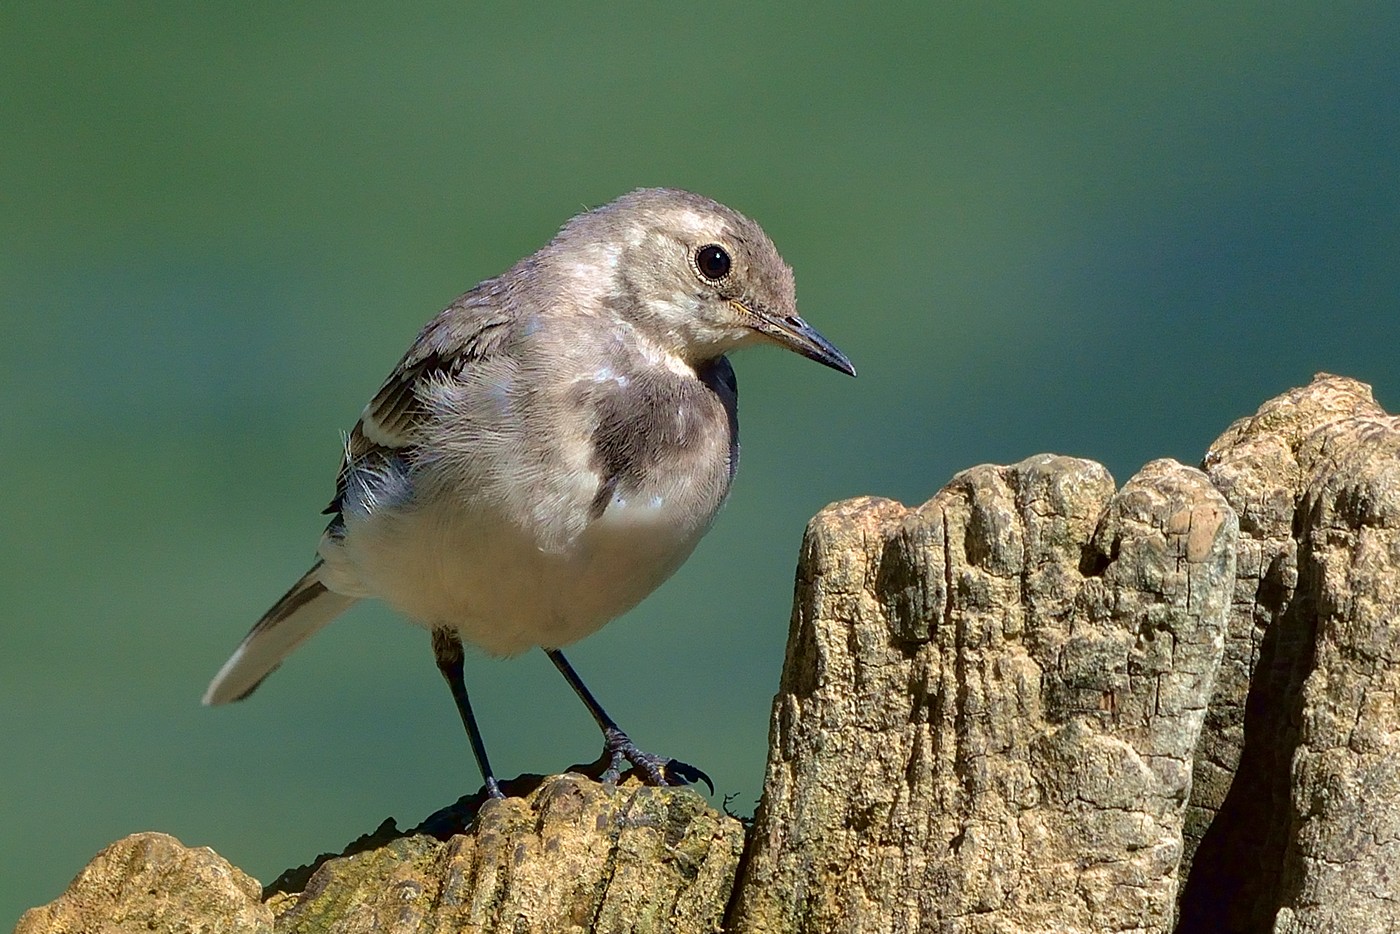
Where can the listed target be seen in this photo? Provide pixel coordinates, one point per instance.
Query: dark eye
(712, 262)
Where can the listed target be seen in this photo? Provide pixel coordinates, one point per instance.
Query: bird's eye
(712, 261)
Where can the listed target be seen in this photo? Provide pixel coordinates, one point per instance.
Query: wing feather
(471, 329)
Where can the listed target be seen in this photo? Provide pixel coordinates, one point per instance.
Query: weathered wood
(1297, 798)
(1034, 703)
(989, 706)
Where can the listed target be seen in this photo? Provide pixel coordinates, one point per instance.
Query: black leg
(618, 748)
(447, 651)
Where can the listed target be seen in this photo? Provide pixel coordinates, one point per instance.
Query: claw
(618, 748)
(687, 774)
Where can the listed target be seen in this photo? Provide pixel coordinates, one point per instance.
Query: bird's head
(700, 278)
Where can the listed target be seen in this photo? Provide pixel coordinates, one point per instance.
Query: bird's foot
(618, 749)
(493, 788)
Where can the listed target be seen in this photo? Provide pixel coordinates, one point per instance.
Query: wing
(471, 329)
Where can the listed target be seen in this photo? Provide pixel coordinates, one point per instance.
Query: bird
(551, 448)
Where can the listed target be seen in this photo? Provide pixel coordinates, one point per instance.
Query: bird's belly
(494, 584)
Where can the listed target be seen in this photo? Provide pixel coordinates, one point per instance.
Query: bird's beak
(792, 332)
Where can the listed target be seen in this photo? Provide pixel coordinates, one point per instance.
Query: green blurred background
(1099, 229)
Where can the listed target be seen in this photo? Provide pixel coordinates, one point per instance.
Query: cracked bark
(1295, 820)
(989, 705)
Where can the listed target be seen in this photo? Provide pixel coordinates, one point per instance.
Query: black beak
(792, 332)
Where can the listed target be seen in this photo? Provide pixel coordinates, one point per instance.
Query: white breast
(496, 586)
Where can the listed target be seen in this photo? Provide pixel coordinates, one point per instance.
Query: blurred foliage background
(1100, 229)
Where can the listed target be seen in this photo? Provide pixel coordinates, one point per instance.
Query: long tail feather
(292, 620)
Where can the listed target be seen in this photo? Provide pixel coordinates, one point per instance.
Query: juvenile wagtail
(550, 449)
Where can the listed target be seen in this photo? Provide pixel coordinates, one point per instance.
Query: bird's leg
(618, 747)
(447, 652)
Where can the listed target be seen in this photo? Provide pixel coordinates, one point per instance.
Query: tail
(292, 620)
